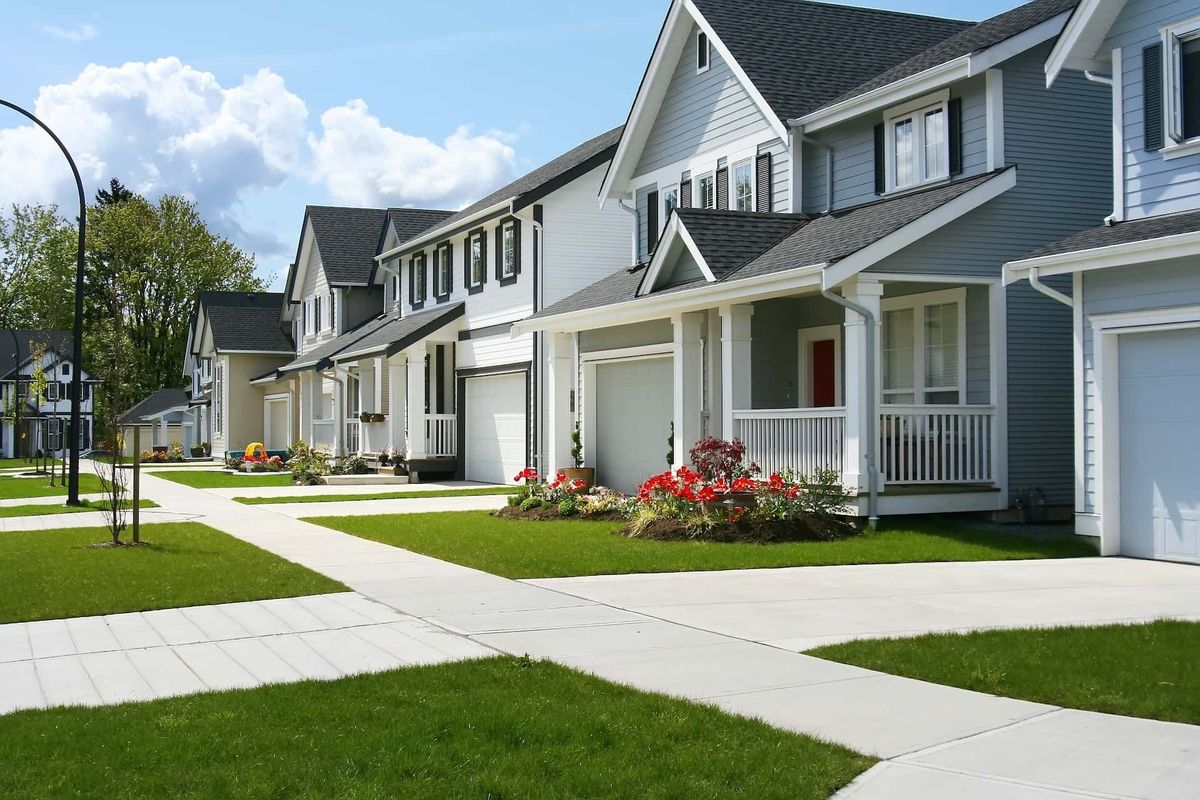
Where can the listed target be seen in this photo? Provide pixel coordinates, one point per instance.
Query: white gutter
(1035, 280)
(637, 230)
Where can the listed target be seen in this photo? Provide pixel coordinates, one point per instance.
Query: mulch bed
(551, 515)
(746, 530)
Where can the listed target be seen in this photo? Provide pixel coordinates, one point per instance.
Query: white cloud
(80, 33)
(363, 162)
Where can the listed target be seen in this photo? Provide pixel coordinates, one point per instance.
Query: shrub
(568, 506)
(721, 460)
(308, 464)
(234, 463)
(175, 452)
(353, 465)
(531, 504)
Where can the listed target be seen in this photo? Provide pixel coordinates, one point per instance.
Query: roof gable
(1079, 45)
(245, 322)
(348, 240)
(15, 350)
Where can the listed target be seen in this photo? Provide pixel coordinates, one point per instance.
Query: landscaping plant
(721, 460)
(308, 464)
(352, 465)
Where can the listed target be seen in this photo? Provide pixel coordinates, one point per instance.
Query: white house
(39, 424)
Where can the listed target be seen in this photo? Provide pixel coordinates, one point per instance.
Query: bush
(353, 465)
(568, 506)
(308, 464)
(531, 504)
(720, 460)
(234, 463)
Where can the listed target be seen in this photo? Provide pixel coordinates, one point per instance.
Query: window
(918, 147)
(743, 186)
(332, 311)
(707, 188)
(670, 202)
(703, 52)
(1181, 45)
(396, 288)
(52, 391)
(54, 434)
(217, 400)
(924, 348)
(441, 270)
(418, 279)
(316, 314)
(508, 250)
(66, 369)
(477, 258)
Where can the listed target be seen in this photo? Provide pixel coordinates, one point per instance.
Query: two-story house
(234, 339)
(1135, 280)
(32, 423)
(824, 199)
(435, 374)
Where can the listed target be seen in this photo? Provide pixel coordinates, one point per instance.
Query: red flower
(527, 474)
(743, 485)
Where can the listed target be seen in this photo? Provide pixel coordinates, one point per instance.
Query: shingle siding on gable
(699, 112)
(1152, 185)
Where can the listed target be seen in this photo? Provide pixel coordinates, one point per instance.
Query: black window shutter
(1152, 97)
(954, 128)
(412, 281)
(762, 182)
(517, 247)
(880, 178)
(651, 222)
(723, 189)
(685, 194)
(467, 263)
(499, 237)
(483, 256)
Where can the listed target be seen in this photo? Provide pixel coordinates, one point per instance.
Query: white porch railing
(441, 434)
(802, 439)
(323, 433)
(937, 444)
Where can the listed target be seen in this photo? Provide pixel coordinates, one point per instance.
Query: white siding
(583, 243)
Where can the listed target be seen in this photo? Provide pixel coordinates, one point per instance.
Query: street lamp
(77, 343)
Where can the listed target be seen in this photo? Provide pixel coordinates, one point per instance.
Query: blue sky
(530, 79)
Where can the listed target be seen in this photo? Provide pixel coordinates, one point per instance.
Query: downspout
(637, 231)
(1105, 80)
(1035, 280)
(873, 415)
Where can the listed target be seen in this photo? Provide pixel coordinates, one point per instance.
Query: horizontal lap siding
(1108, 291)
(1153, 185)
(493, 351)
(583, 243)
(698, 112)
(774, 349)
(636, 334)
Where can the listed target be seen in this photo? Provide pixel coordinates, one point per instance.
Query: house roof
(728, 239)
(822, 240)
(534, 185)
(161, 401)
(1129, 232)
(10, 358)
(800, 55)
(348, 240)
(247, 321)
(973, 39)
(408, 222)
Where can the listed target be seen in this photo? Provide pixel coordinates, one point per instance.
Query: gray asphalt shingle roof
(976, 38)
(408, 222)
(383, 333)
(728, 239)
(58, 341)
(156, 403)
(1138, 230)
(246, 321)
(348, 241)
(800, 55)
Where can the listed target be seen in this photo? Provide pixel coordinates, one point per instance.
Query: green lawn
(217, 479)
(523, 549)
(12, 487)
(329, 498)
(20, 463)
(496, 728)
(52, 574)
(1135, 670)
(44, 509)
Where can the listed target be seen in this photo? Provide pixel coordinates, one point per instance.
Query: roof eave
(1161, 248)
(434, 235)
(1065, 55)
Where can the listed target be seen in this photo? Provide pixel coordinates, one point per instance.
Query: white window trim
(471, 240)
(1172, 38)
(52, 391)
(805, 338)
(508, 270)
(664, 214)
(749, 164)
(918, 302)
(916, 110)
(702, 39)
(698, 191)
(440, 262)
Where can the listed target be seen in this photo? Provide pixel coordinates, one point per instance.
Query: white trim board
(1163, 248)
(1092, 18)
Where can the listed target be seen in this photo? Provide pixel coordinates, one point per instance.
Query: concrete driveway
(800, 608)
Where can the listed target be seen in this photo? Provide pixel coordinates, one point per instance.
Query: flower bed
(562, 497)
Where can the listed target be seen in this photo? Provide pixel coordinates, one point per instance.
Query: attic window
(702, 52)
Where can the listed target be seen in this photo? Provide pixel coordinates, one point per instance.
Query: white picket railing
(441, 434)
(323, 434)
(937, 444)
(801, 439)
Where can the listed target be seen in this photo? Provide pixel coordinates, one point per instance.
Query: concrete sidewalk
(408, 505)
(310, 491)
(939, 742)
(86, 519)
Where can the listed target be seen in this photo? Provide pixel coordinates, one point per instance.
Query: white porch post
(559, 381)
(397, 394)
(735, 363)
(165, 431)
(339, 413)
(859, 407)
(417, 441)
(688, 382)
(307, 402)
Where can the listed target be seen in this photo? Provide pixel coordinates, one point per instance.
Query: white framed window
(703, 52)
(442, 270)
(743, 186)
(66, 369)
(508, 249)
(917, 143)
(1181, 81)
(669, 198)
(396, 287)
(924, 348)
(706, 185)
(478, 258)
(418, 280)
(52, 391)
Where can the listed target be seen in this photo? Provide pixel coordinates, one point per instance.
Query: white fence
(441, 434)
(937, 444)
(802, 439)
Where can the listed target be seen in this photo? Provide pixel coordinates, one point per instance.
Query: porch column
(397, 393)
(688, 382)
(305, 390)
(559, 381)
(417, 441)
(859, 406)
(735, 364)
(165, 431)
(339, 411)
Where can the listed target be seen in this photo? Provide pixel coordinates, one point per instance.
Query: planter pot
(585, 474)
(364, 417)
(198, 452)
(377, 418)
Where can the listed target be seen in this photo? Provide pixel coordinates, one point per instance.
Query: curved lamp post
(77, 343)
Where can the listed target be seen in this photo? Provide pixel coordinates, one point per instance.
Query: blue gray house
(1135, 280)
(822, 199)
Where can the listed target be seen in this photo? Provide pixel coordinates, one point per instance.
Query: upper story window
(917, 144)
(332, 312)
(66, 369)
(924, 348)
(508, 249)
(442, 274)
(707, 188)
(743, 186)
(416, 280)
(1181, 46)
(476, 259)
(703, 52)
(670, 202)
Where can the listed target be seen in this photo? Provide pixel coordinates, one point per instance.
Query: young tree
(37, 393)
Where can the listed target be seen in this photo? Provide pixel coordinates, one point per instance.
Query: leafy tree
(114, 195)
(37, 269)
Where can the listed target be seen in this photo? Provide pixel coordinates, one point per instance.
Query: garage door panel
(633, 418)
(1159, 439)
(495, 427)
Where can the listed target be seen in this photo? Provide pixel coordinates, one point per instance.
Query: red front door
(824, 373)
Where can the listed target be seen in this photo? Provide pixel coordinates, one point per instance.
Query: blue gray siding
(1108, 291)
(1153, 185)
(636, 334)
(774, 351)
(699, 112)
(643, 207)
(684, 269)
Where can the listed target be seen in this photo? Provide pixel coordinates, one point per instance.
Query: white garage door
(1160, 444)
(633, 420)
(495, 435)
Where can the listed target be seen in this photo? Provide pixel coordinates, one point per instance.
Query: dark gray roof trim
(1138, 230)
(160, 401)
(398, 333)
